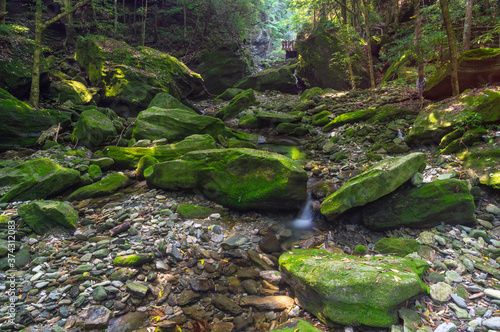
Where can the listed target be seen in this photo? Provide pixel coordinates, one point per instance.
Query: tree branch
(64, 14)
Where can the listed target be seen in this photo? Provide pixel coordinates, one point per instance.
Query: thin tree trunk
(418, 51)
(452, 46)
(3, 11)
(115, 11)
(343, 11)
(396, 13)
(467, 26)
(70, 27)
(185, 19)
(364, 11)
(155, 32)
(144, 23)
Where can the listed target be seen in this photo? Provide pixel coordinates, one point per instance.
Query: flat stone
(280, 302)
(99, 294)
(95, 317)
(459, 301)
(137, 290)
(202, 285)
(490, 292)
(492, 323)
(493, 209)
(461, 313)
(234, 241)
(440, 292)
(225, 304)
(446, 327)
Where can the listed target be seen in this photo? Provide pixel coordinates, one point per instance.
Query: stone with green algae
(73, 91)
(467, 140)
(134, 260)
(238, 104)
(296, 324)
(95, 172)
(276, 79)
(381, 179)
(36, 179)
(351, 290)
(129, 157)
(356, 116)
(167, 101)
(229, 94)
(42, 216)
(396, 246)
(191, 211)
(309, 94)
(236, 178)
(145, 162)
(484, 161)
(93, 128)
(107, 186)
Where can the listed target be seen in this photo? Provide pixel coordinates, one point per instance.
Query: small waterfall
(400, 134)
(306, 216)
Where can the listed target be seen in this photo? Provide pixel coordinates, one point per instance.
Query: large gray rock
(277, 79)
(442, 201)
(36, 179)
(379, 180)
(349, 290)
(42, 216)
(236, 178)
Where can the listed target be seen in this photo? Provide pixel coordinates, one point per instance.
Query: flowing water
(304, 220)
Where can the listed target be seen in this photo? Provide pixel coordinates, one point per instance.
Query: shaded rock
(475, 69)
(273, 118)
(36, 179)
(73, 91)
(131, 321)
(167, 101)
(267, 302)
(347, 290)
(110, 184)
(351, 117)
(95, 317)
(42, 216)
(137, 290)
(400, 247)
(379, 180)
(234, 240)
(225, 304)
(238, 104)
(187, 296)
(484, 162)
(93, 128)
(128, 157)
(202, 284)
(441, 201)
(270, 243)
(229, 94)
(237, 178)
(278, 79)
(133, 260)
(22, 125)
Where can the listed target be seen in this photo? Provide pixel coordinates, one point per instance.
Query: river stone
(99, 294)
(107, 186)
(42, 216)
(94, 317)
(225, 304)
(236, 178)
(493, 209)
(238, 104)
(460, 312)
(202, 284)
(349, 290)
(448, 201)
(133, 260)
(379, 180)
(492, 323)
(36, 179)
(459, 301)
(234, 240)
(446, 327)
(399, 247)
(494, 293)
(137, 290)
(296, 324)
(267, 302)
(93, 128)
(441, 292)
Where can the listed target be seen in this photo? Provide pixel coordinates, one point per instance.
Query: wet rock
(137, 290)
(95, 317)
(267, 302)
(440, 292)
(202, 285)
(225, 304)
(133, 260)
(270, 243)
(42, 216)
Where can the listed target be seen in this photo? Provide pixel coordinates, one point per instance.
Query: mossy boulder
(167, 101)
(309, 94)
(135, 260)
(321, 118)
(485, 163)
(129, 157)
(441, 118)
(295, 324)
(175, 124)
(73, 91)
(229, 94)
(315, 66)
(22, 125)
(277, 79)
(430, 204)
(379, 180)
(95, 172)
(190, 211)
(236, 178)
(36, 179)
(275, 118)
(291, 129)
(145, 162)
(42, 216)
(223, 67)
(475, 69)
(349, 290)
(469, 138)
(351, 117)
(395, 246)
(107, 186)
(93, 128)
(238, 104)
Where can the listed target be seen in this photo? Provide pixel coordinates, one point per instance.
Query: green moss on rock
(73, 91)
(356, 116)
(106, 186)
(485, 163)
(189, 211)
(238, 104)
(93, 128)
(145, 162)
(277, 79)
(229, 93)
(42, 216)
(398, 247)
(133, 260)
(309, 94)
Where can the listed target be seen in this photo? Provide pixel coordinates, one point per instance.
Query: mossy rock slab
(395, 246)
(441, 118)
(229, 94)
(73, 91)
(442, 201)
(349, 290)
(356, 116)
(129, 157)
(107, 186)
(42, 216)
(36, 179)
(236, 178)
(93, 128)
(275, 118)
(175, 124)
(238, 104)
(379, 180)
(475, 69)
(189, 211)
(22, 125)
(277, 79)
(133, 260)
(485, 163)
(167, 101)
(468, 139)
(296, 324)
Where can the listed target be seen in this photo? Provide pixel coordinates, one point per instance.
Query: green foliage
(469, 121)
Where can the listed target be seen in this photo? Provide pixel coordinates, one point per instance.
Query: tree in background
(452, 47)
(366, 13)
(3, 11)
(467, 26)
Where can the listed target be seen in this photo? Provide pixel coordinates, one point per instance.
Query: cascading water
(305, 219)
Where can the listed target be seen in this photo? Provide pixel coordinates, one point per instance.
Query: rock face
(129, 157)
(475, 68)
(347, 290)
(441, 201)
(167, 101)
(74, 91)
(36, 179)
(174, 124)
(21, 125)
(315, 67)
(130, 76)
(484, 163)
(237, 178)
(223, 67)
(93, 128)
(439, 119)
(280, 79)
(379, 180)
(106, 186)
(42, 216)
(238, 104)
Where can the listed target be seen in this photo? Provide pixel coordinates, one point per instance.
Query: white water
(305, 219)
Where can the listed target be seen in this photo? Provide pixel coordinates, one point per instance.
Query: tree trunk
(3, 11)
(37, 54)
(396, 14)
(364, 11)
(467, 26)
(452, 46)
(70, 27)
(144, 23)
(115, 12)
(343, 11)
(418, 51)
(155, 32)
(185, 19)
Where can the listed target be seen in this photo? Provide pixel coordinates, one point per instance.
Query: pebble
(492, 323)
(494, 293)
